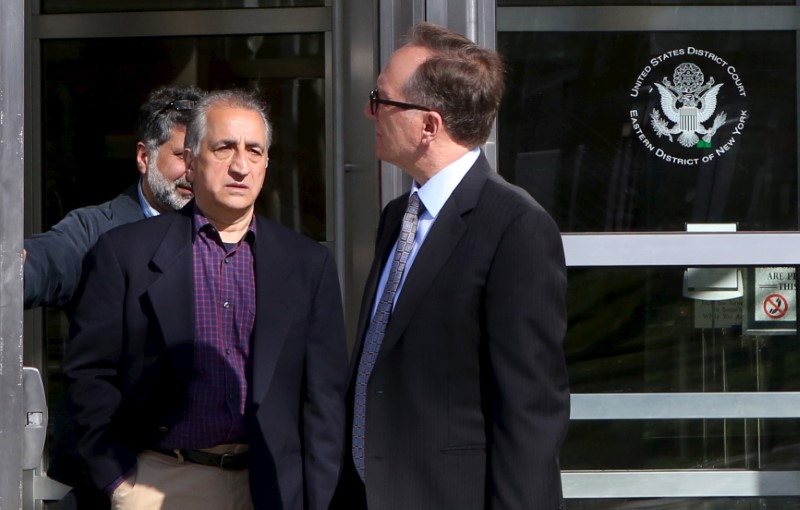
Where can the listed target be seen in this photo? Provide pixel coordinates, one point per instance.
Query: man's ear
(142, 158)
(432, 127)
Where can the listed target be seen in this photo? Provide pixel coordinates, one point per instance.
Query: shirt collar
(147, 209)
(434, 193)
(200, 222)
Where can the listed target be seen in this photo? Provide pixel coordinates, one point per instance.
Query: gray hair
(165, 109)
(230, 98)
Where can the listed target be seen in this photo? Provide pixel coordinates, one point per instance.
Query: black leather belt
(220, 460)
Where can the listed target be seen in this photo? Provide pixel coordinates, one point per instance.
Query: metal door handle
(35, 418)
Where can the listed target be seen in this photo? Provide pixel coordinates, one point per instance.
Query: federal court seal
(689, 106)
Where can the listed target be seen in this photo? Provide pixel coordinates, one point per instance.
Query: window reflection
(643, 330)
(577, 128)
(565, 3)
(744, 444)
(92, 90)
(634, 330)
(92, 6)
(776, 503)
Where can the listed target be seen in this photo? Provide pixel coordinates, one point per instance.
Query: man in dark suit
(206, 363)
(54, 259)
(458, 395)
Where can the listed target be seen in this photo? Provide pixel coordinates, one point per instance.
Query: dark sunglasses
(374, 101)
(181, 105)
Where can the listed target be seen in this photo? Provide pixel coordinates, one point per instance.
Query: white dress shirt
(433, 195)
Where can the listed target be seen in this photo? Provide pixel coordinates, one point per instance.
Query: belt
(232, 461)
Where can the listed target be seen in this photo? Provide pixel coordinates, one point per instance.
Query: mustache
(182, 183)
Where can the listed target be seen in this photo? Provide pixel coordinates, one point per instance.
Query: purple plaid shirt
(224, 314)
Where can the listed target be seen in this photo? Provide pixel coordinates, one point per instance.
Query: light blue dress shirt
(147, 209)
(433, 196)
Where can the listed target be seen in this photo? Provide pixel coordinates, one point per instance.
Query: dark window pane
(635, 330)
(782, 503)
(565, 3)
(749, 444)
(85, 6)
(92, 90)
(648, 131)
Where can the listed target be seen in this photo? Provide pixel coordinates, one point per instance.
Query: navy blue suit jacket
(55, 258)
(468, 401)
(129, 357)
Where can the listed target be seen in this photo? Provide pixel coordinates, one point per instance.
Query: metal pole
(12, 52)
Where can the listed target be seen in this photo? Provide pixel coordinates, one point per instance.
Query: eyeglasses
(374, 101)
(181, 105)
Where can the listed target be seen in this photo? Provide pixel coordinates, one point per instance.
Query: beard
(165, 191)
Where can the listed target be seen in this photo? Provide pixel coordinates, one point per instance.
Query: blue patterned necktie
(374, 336)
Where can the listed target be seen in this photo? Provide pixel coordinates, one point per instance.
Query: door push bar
(35, 418)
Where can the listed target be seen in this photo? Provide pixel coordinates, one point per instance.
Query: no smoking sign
(775, 294)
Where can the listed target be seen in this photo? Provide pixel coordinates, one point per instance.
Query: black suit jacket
(468, 401)
(129, 357)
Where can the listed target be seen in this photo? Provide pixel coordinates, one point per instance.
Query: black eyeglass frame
(374, 101)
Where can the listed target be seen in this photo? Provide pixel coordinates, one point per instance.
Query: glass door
(662, 137)
(93, 63)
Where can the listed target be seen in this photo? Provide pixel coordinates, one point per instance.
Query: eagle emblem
(688, 103)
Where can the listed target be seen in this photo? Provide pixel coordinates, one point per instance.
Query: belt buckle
(226, 459)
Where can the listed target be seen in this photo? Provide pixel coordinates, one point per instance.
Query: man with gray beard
(54, 259)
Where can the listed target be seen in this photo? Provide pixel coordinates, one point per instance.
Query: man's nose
(239, 163)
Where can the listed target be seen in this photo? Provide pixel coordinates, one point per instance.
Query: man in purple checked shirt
(207, 357)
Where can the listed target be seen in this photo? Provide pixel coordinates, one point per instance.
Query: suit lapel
(439, 244)
(273, 266)
(171, 293)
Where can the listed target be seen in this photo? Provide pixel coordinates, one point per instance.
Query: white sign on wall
(718, 314)
(775, 294)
